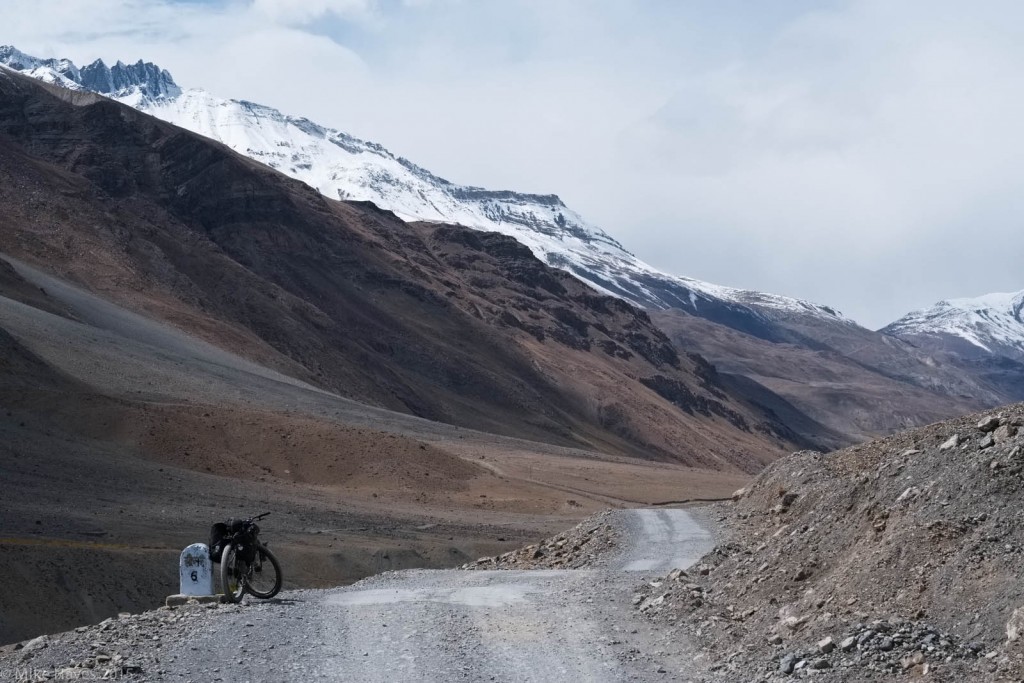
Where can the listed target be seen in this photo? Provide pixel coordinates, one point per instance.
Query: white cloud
(304, 11)
(844, 152)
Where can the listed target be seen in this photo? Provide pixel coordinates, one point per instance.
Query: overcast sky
(866, 154)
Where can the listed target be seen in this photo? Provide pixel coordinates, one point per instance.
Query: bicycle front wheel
(264, 580)
(232, 574)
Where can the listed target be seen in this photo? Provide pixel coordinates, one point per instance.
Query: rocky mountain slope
(344, 167)
(443, 322)
(122, 439)
(840, 385)
(898, 558)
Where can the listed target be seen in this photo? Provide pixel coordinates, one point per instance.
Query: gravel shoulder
(442, 625)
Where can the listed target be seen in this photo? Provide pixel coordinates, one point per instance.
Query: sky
(864, 154)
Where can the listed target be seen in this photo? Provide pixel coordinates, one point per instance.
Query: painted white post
(196, 570)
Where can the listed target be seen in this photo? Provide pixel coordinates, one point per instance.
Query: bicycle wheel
(264, 580)
(232, 574)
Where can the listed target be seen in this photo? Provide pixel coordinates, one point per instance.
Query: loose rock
(951, 442)
(989, 424)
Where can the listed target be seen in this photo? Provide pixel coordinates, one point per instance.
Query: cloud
(304, 11)
(849, 163)
(862, 153)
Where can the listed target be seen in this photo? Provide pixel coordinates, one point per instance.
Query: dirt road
(413, 625)
(545, 625)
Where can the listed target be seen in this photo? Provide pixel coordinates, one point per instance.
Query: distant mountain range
(866, 383)
(992, 324)
(983, 335)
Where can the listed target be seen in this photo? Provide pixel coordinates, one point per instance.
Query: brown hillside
(438, 321)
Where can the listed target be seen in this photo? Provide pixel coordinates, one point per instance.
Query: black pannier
(245, 543)
(218, 532)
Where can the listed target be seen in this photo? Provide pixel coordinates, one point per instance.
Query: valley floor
(128, 438)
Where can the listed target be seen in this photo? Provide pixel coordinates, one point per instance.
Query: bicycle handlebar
(259, 517)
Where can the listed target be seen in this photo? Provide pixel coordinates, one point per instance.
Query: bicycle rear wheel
(232, 574)
(264, 579)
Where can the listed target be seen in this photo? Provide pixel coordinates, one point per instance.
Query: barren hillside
(437, 321)
(898, 558)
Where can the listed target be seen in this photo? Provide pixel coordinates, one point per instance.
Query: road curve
(451, 625)
(664, 539)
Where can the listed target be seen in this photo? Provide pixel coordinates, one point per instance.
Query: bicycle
(246, 564)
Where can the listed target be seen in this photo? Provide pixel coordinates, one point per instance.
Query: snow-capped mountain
(992, 324)
(344, 167)
(144, 79)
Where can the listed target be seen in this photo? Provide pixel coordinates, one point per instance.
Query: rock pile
(898, 558)
(124, 648)
(585, 545)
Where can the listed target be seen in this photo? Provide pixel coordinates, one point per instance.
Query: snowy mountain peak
(993, 323)
(142, 79)
(16, 59)
(342, 166)
(139, 81)
(60, 69)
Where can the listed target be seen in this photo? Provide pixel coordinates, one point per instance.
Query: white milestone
(196, 570)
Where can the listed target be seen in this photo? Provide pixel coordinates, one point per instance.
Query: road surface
(451, 625)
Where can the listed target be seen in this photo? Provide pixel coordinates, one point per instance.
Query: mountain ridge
(345, 167)
(443, 322)
(145, 79)
(988, 324)
(982, 335)
(341, 166)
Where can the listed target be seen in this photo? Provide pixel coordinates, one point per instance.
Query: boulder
(1004, 433)
(787, 664)
(912, 660)
(1015, 626)
(989, 424)
(36, 644)
(794, 623)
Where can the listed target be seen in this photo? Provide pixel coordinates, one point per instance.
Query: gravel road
(672, 538)
(423, 625)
